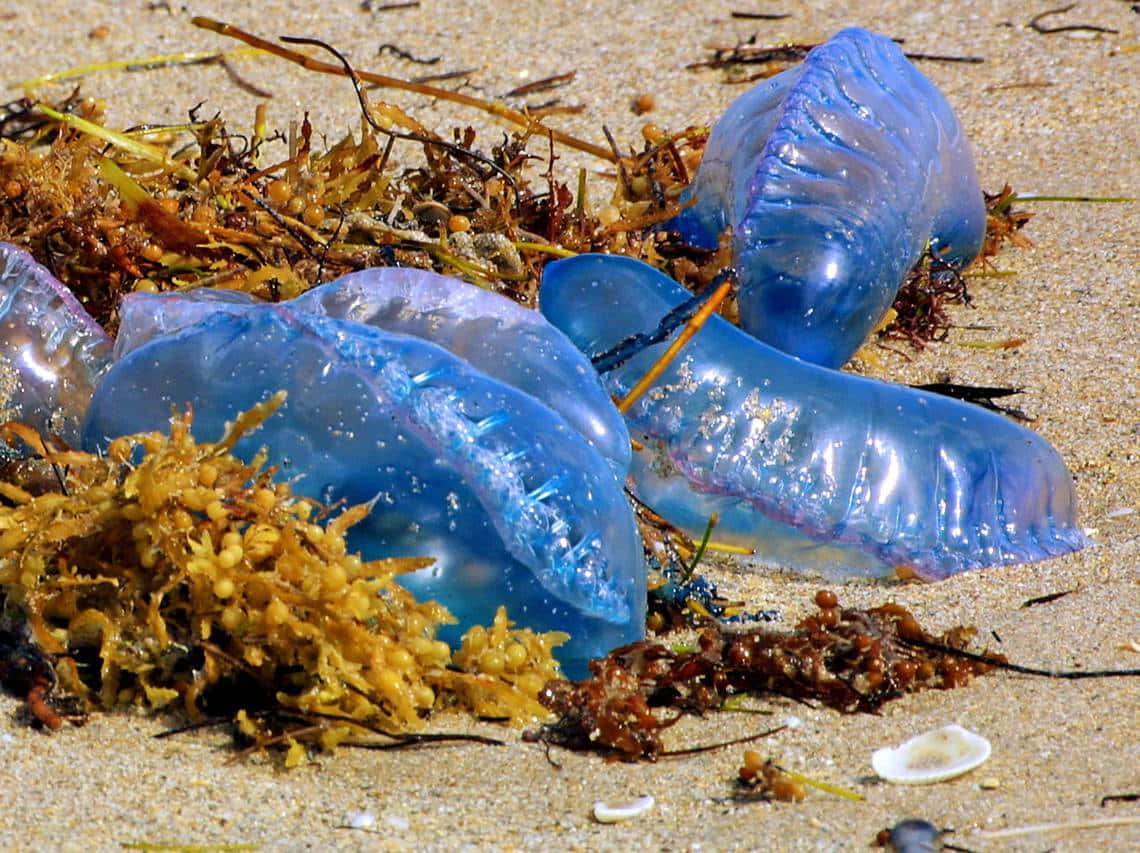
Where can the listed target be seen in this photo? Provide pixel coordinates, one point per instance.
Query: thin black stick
(1024, 670)
(1037, 26)
(694, 750)
(458, 150)
(761, 16)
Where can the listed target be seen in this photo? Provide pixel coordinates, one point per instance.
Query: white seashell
(359, 820)
(605, 813)
(932, 757)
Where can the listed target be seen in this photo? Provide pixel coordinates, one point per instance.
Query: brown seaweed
(849, 659)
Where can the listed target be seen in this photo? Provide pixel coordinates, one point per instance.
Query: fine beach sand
(1058, 746)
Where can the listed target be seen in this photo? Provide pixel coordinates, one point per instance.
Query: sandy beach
(1051, 114)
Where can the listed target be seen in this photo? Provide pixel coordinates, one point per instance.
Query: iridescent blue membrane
(51, 352)
(832, 176)
(814, 468)
(515, 505)
(490, 332)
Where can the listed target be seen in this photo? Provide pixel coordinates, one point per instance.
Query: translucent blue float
(832, 177)
(812, 467)
(52, 353)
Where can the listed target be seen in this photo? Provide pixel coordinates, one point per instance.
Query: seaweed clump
(191, 577)
(919, 312)
(195, 205)
(849, 659)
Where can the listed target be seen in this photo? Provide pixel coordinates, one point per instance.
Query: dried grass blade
(122, 141)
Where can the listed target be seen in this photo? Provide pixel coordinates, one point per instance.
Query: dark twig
(167, 63)
(1028, 84)
(1036, 25)
(367, 6)
(542, 85)
(1046, 599)
(753, 54)
(710, 747)
(979, 395)
(444, 75)
(761, 16)
(303, 240)
(623, 174)
(997, 663)
(942, 57)
(1119, 798)
(241, 82)
(316, 721)
(749, 54)
(328, 246)
(403, 54)
(207, 723)
(404, 741)
(626, 349)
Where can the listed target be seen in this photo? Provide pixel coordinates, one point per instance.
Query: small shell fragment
(359, 820)
(931, 757)
(605, 813)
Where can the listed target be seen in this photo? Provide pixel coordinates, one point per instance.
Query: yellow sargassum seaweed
(190, 568)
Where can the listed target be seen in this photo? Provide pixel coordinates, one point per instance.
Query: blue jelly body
(514, 504)
(490, 332)
(814, 468)
(832, 177)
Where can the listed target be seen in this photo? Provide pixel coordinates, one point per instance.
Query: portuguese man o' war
(516, 506)
(833, 175)
(813, 467)
(51, 352)
(480, 433)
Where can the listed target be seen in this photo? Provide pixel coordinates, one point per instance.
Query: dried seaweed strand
(504, 112)
(687, 333)
(148, 63)
(542, 85)
(761, 16)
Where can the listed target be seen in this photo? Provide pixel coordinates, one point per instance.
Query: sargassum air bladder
(832, 177)
(483, 437)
